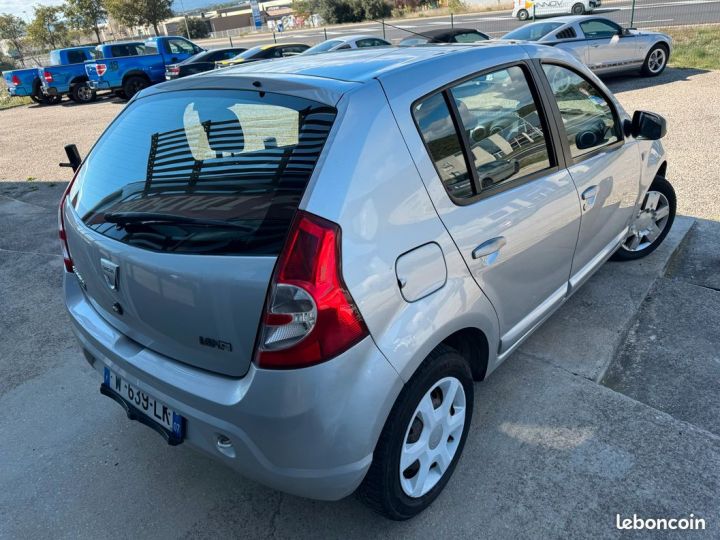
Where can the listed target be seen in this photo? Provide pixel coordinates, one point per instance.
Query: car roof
(354, 37)
(441, 32)
(569, 19)
(329, 76)
(358, 65)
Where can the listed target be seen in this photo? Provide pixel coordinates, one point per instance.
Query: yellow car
(265, 52)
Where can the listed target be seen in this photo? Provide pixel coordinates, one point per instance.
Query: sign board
(256, 14)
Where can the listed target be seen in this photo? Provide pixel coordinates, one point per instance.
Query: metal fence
(476, 14)
(496, 23)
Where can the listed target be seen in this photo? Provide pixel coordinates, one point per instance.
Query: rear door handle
(488, 251)
(589, 196)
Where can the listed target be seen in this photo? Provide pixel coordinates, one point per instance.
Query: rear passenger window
(443, 144)
(589, 119)
(500, 117)
(76, 57)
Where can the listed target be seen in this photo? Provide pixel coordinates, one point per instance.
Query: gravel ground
(681, 95)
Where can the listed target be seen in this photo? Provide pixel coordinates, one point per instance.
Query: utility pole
(187, 27)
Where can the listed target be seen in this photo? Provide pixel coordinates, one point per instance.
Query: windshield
(204, 172)
(418, 40)
(324, 46)
(249, 53)
(533, 32)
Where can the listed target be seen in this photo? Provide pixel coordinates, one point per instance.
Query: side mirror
(646, 125)
(74, 159)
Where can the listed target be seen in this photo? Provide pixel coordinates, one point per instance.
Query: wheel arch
(135, 73)
(472, 344)
(79, 79)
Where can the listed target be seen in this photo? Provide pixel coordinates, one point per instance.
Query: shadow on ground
(634, 81)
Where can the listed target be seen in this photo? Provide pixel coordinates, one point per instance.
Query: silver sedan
(603, 45)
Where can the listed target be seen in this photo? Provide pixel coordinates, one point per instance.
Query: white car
(524, 9)
(359, 41)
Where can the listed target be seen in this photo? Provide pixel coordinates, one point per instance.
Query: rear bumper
(310, 432)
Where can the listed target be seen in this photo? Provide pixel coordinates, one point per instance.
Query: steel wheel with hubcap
(652, 222)
(523, 15)
(432, 437)
(578, 9)
(655, 61)
(423, 437)
(82, 93)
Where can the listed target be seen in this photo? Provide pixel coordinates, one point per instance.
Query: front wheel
(655, 61)
(423, 438)
(652, 223)
(578, 9)
(523, 15)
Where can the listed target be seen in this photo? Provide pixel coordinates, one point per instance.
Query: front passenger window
(589, 119)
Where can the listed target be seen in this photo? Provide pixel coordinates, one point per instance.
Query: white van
(524, 9)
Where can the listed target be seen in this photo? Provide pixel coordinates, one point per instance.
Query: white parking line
(653, 21)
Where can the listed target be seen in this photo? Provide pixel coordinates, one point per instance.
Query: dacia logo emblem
(110, 272)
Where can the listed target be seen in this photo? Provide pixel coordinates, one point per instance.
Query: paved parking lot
(552, 451)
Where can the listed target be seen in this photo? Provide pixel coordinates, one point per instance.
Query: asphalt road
(648, 14)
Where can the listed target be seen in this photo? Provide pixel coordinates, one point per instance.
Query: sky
(24, 8)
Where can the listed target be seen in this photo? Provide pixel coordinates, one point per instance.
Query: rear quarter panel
(368, 183)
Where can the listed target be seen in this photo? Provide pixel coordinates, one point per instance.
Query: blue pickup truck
(127, 75)
(30, 81)
(66, 75)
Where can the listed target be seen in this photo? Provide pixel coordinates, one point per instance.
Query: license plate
(154, 413)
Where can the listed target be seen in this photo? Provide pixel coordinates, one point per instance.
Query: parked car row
(125, 68)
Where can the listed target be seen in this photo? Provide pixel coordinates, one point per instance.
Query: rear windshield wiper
(128, 218)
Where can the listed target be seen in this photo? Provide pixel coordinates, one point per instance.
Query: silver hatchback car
(301, 266)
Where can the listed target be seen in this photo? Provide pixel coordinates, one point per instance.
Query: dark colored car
(265, 52)
(204, 61)
(444, 35)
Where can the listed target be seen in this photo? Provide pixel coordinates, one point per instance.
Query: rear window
(210, 172)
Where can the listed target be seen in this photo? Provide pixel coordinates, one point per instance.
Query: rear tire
(652, 225)
(578, 9)
(133, 85)
(523, 15)
(655, 61)
(82, 93)
(430, 419)
(120, 94)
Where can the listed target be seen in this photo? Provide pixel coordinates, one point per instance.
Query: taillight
(100, 69)
(67, 259)
(16, 80)
(310, 316)
(174, 70)
(48, 76)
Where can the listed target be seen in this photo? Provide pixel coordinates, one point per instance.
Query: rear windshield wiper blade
(127, 218)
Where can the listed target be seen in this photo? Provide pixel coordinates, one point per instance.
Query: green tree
(199, 28)
(346, 11)
(47, 28)
(13, 29)
(140, 12)
(86, 15)
(306, 8)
